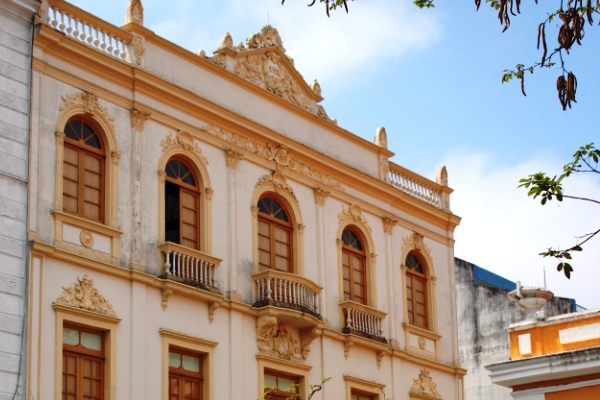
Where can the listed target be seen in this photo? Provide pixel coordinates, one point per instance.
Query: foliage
(292, 391)
(570, 32)
(585, 160)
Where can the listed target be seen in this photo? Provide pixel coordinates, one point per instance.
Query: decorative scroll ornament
(139, 118)
(306, 338)
(425, 385)
(138, 49)
(86, 297)
(320, 196)
(388, 225)
(185, 140)
(321, 113)
(280, 154)
(275, 339)
(135, 12)
(415, 241)
(90, 104)
(381, 138)
(267, 37)
(277, 180)
(354, 212)
(232, 157)
(385, 169)
(316, 88)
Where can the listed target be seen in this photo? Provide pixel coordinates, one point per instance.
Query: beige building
(202, 229)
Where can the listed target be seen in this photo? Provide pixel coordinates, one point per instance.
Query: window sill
(421, 342)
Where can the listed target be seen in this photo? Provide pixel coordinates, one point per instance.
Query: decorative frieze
(424, 384)
(86, 297)
(279, 154)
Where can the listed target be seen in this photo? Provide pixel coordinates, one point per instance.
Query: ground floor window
(83, 364)
(185, 375)
(280, 386)
(357, 395)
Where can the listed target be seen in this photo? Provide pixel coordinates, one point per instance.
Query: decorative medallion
(422, 342)
(425, 385)
(316, 88)
(86, 239)
(186, 141)
(85, 297)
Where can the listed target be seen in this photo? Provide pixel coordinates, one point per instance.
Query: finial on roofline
(135, 12)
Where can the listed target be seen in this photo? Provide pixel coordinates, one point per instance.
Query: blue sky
(433, 79)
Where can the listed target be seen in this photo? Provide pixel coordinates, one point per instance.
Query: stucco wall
(483, 315)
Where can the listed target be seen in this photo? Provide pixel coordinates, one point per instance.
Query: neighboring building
(484, 311)
(16, 31)
(200, 227)
(556, 358)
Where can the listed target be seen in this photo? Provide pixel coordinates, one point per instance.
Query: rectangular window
(279, 386)
(83, 364)
(185, 375)
(357, 395)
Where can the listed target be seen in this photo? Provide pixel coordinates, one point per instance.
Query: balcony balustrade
(417, 186)
(363, 320)
(286, 290)
(189, 266)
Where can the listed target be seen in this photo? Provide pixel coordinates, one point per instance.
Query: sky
(432, 78)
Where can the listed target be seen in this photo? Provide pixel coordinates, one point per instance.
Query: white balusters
(87, 33)
(287, 291)
(362, 321)
(416, 189)
(190, 268)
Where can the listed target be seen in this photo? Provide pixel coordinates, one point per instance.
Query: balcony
(363, 321)
(284, 290)
(190, 267)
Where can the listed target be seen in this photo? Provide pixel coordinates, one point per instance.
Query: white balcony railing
(413, 187)
(191, 266)
(358, 317)
(95, 33)
(281, 287)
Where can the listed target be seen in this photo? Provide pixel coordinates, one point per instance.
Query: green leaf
(577, 248)
(559, 267)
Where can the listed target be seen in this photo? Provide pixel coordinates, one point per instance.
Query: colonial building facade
(200, 228)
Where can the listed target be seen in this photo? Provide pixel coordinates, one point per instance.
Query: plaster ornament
(85, 297)
(219, 59)
(442, 176)
(138, 49)
(267, 37)
(186, 141)
(415, 241)
(354, 213)
(277, 182)
(425, 385)
(320, 196)
(139, 118)
(388, 225)
(135, 12)
(385, 169)
(201, 53)
(90, 104)
(306, 338)
(381, 138)
(316, 88)
(422, 342)
(232, 157)
(226, 41)
(250, 69)
(275, 339)
(115, 157)
(269, 151)
(86, 239)
(321, 113)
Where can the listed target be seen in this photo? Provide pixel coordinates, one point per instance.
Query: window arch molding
(413, 244)
(194, 160)
(354, 219)
(85, 106)
(276, 186)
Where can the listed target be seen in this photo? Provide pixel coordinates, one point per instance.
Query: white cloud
(503, 230)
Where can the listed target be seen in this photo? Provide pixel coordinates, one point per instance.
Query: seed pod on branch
(571, 88)
(542, 37)
(589, 10)
(561, 87)
(477, 4)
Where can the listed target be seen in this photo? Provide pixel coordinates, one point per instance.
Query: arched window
(416, 291)
(83, 170)
(182, 204)
(275, 244)
(354, 266)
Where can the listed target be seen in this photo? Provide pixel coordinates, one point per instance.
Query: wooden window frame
(291, 368)
(81, 353)
(84, 151)
(182, 373)
(193, 191)
(279, 394)
(364, 387)
(411, 276)
(273, 223)
(360, 255)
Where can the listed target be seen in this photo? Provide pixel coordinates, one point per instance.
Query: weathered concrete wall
(15, 65)
(483, 314)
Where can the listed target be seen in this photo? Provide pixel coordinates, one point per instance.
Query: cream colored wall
(137, 302)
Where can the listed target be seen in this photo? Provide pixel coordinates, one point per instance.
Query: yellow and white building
(200, 227)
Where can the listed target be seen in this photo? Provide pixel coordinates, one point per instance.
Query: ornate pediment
(263, 62)
(281, 341)
(424, 384)
(86, 297)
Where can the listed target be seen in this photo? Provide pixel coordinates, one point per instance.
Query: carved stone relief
(135, 12)
(381, 138)
(388, 225)
(138, 119)
(415, 241)
(442, 176)
(279, 154)
(277, 180)
(86, 297)
(320, 196)
(90, 104)
(425, 385)
(226, 41)
(138, 49)
(385, 169)
(232, 157)
(276, 339)
(354, 212)
(185, 140)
